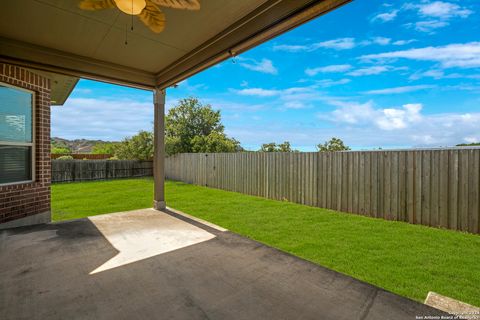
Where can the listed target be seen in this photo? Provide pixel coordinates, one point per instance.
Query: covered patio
(153, 263)
(152, 45)
(97, 268)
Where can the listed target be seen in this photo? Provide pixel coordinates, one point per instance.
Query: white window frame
(25, 144)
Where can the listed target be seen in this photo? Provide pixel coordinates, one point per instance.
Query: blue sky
(373, 73)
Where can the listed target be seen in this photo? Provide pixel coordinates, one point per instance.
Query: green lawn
(407, 259)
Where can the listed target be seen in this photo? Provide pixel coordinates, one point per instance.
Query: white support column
(159, 150)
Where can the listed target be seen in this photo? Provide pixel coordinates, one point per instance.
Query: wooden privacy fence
(82, 170)
(438, 188)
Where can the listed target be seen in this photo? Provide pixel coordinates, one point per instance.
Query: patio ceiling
(57, 36)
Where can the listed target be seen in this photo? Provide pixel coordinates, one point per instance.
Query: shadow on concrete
(44, 274)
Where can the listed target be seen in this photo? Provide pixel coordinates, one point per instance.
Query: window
(16, 135)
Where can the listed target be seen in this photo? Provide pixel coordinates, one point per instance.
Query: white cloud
(369, 71)
(386, 16)
(472, 139)
(439, 9)
(428, 26)
(381, 41)
(337, 44)
(437, 74)
(349, 112)
(326, 83)
(228, 106)
(353, 113)
(294, 105)
(263, 66)
(361, 125)
(464, 87)
(403, 42)
(396, 90)
(185, 84)
(101, 118)
(392, 119)
(407, 128)
(291, 98)
(405, 125)
(436, 14)
(291, 48)
(328, 69)
(259, 92)
(465, 55)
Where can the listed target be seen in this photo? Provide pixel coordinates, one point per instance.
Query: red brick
(22, 200)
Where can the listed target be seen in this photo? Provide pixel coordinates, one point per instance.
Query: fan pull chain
(126, 34)
(131, 29)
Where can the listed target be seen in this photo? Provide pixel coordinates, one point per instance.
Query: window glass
(16, 140)
(15, 164)
(15, 115)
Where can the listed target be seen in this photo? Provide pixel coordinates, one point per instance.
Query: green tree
(105, 148)
(138, 147)
(285, 147)
(60, 150)
(215, 142)
(473, 144)
(335, 144)
(194, 127)
(273, 147)
(268, 147)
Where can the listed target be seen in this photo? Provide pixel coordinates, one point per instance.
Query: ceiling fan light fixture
(132, 7)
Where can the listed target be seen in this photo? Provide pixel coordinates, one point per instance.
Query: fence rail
(83, 170)
(439, 188)
(82, 156)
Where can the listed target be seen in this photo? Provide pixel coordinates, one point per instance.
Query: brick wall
(28, 199)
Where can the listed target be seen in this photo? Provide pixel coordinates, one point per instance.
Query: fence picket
(431, 187)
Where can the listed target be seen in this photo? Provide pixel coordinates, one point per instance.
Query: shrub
(65, 158)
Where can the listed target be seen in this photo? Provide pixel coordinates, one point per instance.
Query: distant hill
(77, 145)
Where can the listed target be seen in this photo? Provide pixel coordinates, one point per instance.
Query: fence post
(107, 169)
(73, 171)
(206, 169)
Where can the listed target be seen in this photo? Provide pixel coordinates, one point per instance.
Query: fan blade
(153, 17)
(96, 4)
(179, 4)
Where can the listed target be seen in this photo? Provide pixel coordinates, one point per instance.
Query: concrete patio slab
(45, 274)
(141, 234)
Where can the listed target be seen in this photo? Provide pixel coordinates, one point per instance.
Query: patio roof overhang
(58, 37)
